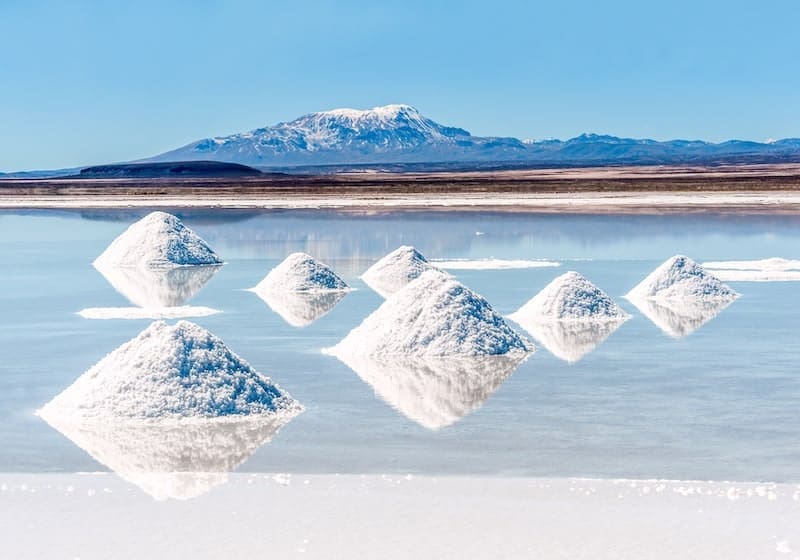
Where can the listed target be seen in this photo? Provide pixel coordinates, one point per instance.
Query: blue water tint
(720, 403)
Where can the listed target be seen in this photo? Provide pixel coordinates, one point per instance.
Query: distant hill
(169, 169)
(399, 134)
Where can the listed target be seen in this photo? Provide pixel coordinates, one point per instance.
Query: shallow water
(718, 403)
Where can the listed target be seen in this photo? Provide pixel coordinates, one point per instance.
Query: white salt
(158, 240)
(171, 372)
(300, 272)
(434, 315)
(395, 270)
(569, 297)
(681, 278)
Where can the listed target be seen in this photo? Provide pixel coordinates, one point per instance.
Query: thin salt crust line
(492, 264)
(146, 313)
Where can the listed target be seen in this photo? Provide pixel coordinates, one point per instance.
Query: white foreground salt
(434, 392)
(775, 269)
(491, 264)
(157, 240)
(95, 516)
(395, 270)
(434, 315)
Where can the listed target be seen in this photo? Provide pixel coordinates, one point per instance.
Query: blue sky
(85, 82)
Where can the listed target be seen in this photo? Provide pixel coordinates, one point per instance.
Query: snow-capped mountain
(401, 134)
(393, 133)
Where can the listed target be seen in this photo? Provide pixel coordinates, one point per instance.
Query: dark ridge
(169, 169)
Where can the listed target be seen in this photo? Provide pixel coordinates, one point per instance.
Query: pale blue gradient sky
(85, 82)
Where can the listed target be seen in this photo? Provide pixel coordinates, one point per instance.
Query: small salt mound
(300, 272)
(681, 278)
(395, 270)
(157, 240)
(434, 315)
(569, 297)
(434, 392)
(172, 460)
(169, 372)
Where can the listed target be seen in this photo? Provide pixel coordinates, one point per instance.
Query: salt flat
(332, 516)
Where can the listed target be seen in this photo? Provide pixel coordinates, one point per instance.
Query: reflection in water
(156, 288)
(680, 318)
(571, 340)
(177, 459)
(300, 309)
(437, 391)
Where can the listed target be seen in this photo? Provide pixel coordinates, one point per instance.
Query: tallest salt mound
(159, 240)
(434, 350)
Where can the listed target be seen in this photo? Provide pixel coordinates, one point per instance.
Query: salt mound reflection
(680, 318)
(300, 309)
(158, 287)
(176, 459)
(571, 340)
(434, 391)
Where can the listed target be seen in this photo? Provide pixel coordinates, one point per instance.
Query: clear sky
(85, 82)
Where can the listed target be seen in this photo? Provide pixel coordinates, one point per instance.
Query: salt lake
(662, 396)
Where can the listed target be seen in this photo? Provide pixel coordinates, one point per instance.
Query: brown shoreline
(600, 190)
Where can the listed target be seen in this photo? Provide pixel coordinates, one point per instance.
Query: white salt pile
(569, 297)
(158, 240)
(300, 272)
(168, 373)
(434, 392)
(775, 269)
(680, 278)
(434, 315)
(301, 309)
(680, 296)
(172, 460)
(570, 317)
(395, 270)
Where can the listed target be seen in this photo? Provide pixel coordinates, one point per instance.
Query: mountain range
(400, 134)
(400, 138)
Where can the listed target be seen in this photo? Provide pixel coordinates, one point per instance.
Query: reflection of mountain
(571, 340)
(680, 318)
(300, 309)
(434, 392)
(177, 459)
(156, 288)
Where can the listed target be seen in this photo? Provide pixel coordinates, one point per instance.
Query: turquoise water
(720, 403)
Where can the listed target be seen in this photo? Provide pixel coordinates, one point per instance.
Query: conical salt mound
(569, 297)
(395, 270)
(435, 315)
(300, 272)
(680, 278)
(157, 240)
(171, 372)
